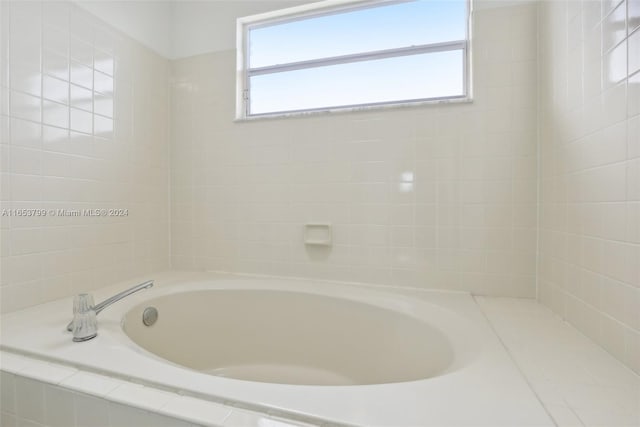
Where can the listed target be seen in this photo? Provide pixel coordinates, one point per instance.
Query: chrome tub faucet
(84, 324)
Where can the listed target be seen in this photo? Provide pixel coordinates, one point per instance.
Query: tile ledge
(161, 402)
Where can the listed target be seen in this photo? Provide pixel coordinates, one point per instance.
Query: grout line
(575, 414)
(231, 405)
(513, 359)
(575, 327)
(538, 154)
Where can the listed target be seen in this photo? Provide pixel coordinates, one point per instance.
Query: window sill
(354, 109)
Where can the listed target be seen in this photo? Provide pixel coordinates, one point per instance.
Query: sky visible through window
(396, 25)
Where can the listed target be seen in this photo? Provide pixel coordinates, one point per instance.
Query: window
(322, 57)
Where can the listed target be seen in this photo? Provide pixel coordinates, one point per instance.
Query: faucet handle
(85, 324)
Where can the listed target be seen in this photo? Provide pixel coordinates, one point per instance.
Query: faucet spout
(117, 297)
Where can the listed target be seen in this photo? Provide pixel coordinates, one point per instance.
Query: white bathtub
(324, 351)
(307, 338)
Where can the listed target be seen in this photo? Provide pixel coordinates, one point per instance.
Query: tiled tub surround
(36, 393)
(416, 198)
(480, 359)
(589, 269)
(579, 383)
(441, 196)
(84, 126)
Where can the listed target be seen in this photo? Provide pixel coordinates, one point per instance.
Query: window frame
(330, 7)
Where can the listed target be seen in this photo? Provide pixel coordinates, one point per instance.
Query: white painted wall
(210, 26)
(179, 29)
(149, 22)
(492, 4)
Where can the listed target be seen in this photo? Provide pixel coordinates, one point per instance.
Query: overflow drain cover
(149, 316)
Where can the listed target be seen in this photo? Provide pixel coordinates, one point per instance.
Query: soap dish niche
(317, 234)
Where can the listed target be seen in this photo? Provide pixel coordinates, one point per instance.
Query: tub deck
(487, 389)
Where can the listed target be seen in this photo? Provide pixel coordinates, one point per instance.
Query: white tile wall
(84, 125)
(434, 197)
(589, 269)
(27, 402)
(42, 394)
